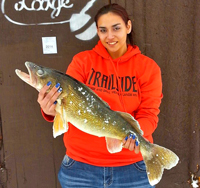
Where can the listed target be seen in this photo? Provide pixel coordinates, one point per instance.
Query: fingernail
(126, 138)
(60, 89)
(49, 83)
(55, 102)
(136, 143)
(57, 85)
(133, 137)
(130, 136)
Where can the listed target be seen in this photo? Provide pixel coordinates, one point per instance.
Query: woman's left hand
(130, 143)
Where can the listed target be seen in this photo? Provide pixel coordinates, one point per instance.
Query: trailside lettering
(110, 82)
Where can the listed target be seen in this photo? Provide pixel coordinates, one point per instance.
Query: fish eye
(40, 72)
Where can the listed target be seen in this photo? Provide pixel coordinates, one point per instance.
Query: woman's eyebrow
(116, 24)
(102, 27)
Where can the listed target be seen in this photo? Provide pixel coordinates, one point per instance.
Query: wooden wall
(167, 31)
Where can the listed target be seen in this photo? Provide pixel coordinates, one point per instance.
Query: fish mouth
(29, 78)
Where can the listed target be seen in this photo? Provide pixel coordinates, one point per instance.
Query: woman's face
(112, 32)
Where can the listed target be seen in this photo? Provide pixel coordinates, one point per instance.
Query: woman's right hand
(48, 101)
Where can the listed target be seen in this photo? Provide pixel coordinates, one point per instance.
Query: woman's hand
(48, 101)
(130, 143)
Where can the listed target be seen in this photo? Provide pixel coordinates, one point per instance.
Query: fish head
(37, 76)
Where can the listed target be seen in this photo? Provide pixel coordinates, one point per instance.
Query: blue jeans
(80, 175)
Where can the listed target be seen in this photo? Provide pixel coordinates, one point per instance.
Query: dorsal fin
(132, 121)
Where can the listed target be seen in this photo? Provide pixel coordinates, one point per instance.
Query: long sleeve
(47, 117)
(151, 95)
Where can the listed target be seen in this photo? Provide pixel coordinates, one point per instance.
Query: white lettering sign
(76, 22)
(44, 5)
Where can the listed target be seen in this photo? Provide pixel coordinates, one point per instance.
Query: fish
(83, 108)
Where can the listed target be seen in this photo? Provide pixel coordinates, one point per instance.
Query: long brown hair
(119, 10)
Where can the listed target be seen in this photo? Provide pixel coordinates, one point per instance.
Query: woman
(128, 81)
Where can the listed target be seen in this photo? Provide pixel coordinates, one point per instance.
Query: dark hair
(119, 10)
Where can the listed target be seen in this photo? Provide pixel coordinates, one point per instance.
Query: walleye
(79, 105)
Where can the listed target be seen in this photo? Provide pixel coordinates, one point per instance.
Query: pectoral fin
(59, 125)
(113, 145)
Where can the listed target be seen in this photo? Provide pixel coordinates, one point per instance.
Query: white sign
(49, 45)
(76, 22)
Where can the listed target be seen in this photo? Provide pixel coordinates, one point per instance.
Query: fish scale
(89, 110)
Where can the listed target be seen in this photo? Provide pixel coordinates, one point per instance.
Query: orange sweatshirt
(131, 83)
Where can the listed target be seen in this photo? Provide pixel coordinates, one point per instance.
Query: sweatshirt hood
(131, 51)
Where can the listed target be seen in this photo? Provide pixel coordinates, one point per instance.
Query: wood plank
(32, 155)
(167, 31)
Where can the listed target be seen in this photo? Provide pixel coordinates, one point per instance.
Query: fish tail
(157, 159)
